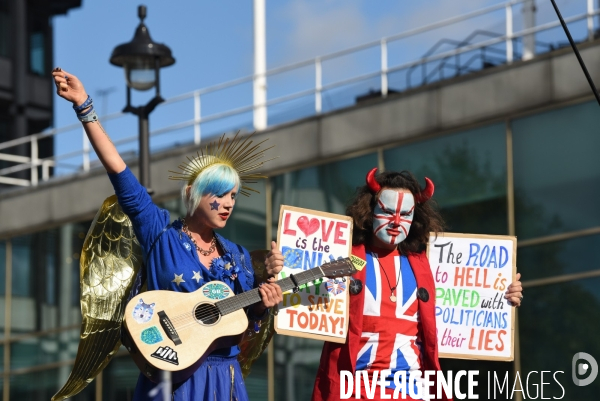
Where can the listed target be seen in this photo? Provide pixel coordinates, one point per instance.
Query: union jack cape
(337, 357)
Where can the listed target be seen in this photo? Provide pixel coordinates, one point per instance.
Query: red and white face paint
(393, 216)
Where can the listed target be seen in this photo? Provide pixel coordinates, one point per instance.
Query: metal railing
(501, 44)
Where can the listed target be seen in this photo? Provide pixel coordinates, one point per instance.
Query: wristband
(88, 117)
(85, 113)
(88, 102)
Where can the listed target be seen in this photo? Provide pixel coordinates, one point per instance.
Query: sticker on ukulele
(143, 312)
(151, 335)
(335, 286)
(216, 291)
(357, 262)
(166, 354)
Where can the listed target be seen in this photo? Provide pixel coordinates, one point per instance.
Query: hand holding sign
(514, 292)
(274, 260)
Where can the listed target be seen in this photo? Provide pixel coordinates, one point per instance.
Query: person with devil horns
(392, 304)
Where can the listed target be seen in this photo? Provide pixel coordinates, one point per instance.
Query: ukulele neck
(251, 297)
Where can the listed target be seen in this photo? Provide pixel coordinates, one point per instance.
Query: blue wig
(217, 179)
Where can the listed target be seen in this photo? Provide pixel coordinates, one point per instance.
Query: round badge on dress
(355, 286)
(422, 294)
(187, 246)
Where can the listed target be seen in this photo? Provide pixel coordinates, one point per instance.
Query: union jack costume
(404, 347)
(389, 333)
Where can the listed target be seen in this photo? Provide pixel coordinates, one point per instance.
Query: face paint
(215, 205)
(393, 216)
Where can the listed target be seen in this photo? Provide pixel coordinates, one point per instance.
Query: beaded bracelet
(88, 102)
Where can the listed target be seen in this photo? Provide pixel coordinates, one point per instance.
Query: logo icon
(166, 354)
(579, 368)
(216, 291)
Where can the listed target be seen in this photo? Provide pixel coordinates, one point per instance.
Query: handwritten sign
(307, 239)
(471, 274)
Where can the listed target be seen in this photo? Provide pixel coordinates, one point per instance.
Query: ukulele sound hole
(206, 314)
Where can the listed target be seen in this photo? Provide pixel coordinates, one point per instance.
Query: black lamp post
(142, 60)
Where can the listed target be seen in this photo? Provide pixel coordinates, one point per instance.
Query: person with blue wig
(185, 254)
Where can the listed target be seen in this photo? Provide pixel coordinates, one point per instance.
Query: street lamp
(142, 60)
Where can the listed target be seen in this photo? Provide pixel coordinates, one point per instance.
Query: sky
(212, 42)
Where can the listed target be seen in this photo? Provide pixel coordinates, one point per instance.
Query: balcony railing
(482, 49)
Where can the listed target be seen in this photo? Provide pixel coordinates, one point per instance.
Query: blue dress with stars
(172, 263)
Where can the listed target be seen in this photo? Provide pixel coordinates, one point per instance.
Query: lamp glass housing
(140, 73)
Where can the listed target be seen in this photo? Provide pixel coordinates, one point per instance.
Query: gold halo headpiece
(237, 152)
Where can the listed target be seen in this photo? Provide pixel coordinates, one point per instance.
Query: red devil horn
(427, 193)
(371, 182)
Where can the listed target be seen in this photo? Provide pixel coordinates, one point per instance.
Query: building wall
(26, 51)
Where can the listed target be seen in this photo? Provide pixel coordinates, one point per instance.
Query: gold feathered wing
(252, 346)
(110, 260)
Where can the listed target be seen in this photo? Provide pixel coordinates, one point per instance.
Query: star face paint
(215, 210)
(215, 205)
(393, 216)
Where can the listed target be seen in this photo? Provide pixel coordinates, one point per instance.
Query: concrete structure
(550, 80)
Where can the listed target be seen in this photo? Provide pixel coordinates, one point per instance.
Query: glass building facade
(535, 176)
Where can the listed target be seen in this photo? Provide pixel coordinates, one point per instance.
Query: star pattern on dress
(215, 205)
(196, 276)
(178, 279)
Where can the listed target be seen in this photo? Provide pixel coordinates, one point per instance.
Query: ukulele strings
(184, 320)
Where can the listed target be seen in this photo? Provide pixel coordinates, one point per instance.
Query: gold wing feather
(110, 260)
(252, 346)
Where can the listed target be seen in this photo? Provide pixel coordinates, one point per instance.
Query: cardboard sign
(471, 274)
(307, 239)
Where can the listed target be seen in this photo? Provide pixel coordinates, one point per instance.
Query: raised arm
(70, 88)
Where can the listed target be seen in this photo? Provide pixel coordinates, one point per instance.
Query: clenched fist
(69, 87)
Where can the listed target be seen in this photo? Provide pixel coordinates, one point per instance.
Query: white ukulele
(176, 331)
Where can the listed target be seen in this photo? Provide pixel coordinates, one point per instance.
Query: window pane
(557, 174)
(561, 257)
(2, 274)
(4, 33)
(41, 386)
(296, 363)
(119, 379)
(50, 348)
(556, 322)
(257, 380)
(21, 266)
(36, 55)
(469, 173)
(328, 188)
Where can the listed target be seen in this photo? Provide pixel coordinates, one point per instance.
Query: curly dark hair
(426, 217)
